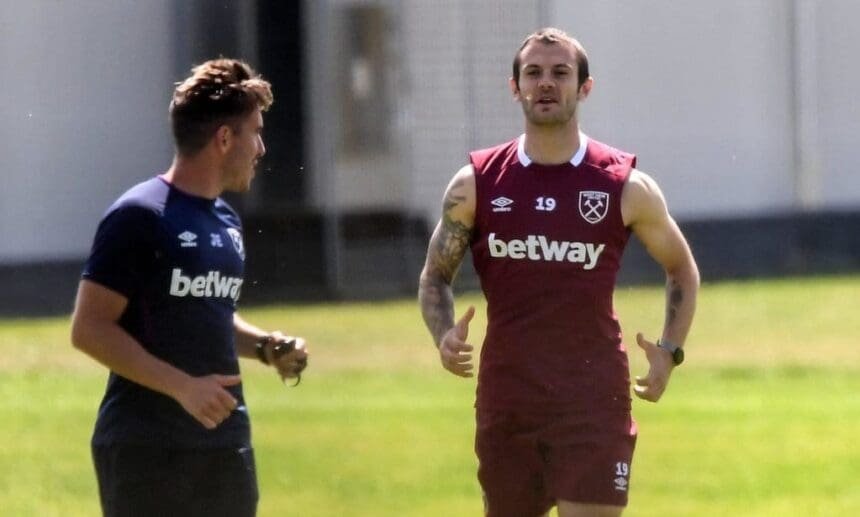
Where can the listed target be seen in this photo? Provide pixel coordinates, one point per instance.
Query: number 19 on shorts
(622, 471)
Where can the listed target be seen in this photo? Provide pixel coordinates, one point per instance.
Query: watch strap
(674, 350)
(260, 348)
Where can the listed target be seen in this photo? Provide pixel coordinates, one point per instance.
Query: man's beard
(559, 118)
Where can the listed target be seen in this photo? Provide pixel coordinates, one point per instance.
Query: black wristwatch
(676, 352)
(260, 347)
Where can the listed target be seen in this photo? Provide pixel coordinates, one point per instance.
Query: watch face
(678, 356)
(676, 351)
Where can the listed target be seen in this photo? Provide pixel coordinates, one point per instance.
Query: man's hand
(290, 362)
(652, 386)
(206, 400)
(454, 352)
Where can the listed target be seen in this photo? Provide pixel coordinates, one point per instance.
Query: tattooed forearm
(437, 305)
(445, 254)
(674, 298)
(681, 291)
(448, 246)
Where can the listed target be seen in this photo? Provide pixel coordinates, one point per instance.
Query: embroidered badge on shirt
(236, 237)
(593, 205)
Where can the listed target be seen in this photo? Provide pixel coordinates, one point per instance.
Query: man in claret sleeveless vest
(547, 216)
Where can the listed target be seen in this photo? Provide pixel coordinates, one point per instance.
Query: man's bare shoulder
(459, 202)
(464, 176)
(641, 198)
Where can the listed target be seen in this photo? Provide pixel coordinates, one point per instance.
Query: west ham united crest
(593, 205)
(236, 237)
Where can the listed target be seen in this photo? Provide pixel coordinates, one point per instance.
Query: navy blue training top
(179, 260)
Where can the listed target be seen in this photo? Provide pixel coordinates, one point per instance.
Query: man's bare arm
(448, 246)
(96, 332)
(644, 210)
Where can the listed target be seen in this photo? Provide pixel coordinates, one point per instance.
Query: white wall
(357, 180)
(83, 115)
(738, 107)
(701, 91)
(459, 60)
(449, 69)
(837, 77)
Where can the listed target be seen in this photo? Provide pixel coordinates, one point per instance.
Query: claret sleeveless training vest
(547, 247)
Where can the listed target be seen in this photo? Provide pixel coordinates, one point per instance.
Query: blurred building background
(745, 111)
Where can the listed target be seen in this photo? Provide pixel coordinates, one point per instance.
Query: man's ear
(223, 137)
(585, 89)
(515, 90)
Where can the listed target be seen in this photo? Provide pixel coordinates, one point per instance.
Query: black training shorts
(148, 481)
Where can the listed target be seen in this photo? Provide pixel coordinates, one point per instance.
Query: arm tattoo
(451, 238)
(437, 306)
(447, 248)
(675, 295)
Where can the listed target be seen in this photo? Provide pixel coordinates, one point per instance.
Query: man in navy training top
(547, 216)
(157, 306)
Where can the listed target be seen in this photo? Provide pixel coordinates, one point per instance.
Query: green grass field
(763, 419)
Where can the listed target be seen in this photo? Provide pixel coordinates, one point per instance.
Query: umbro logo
(188, 239)
(621, 484)
(502, 204)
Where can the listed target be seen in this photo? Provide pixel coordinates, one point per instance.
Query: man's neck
(552, 145)
(194, 176)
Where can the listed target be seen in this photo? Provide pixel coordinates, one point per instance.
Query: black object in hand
(284, 347)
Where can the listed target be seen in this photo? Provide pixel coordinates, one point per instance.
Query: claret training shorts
(528, 461)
